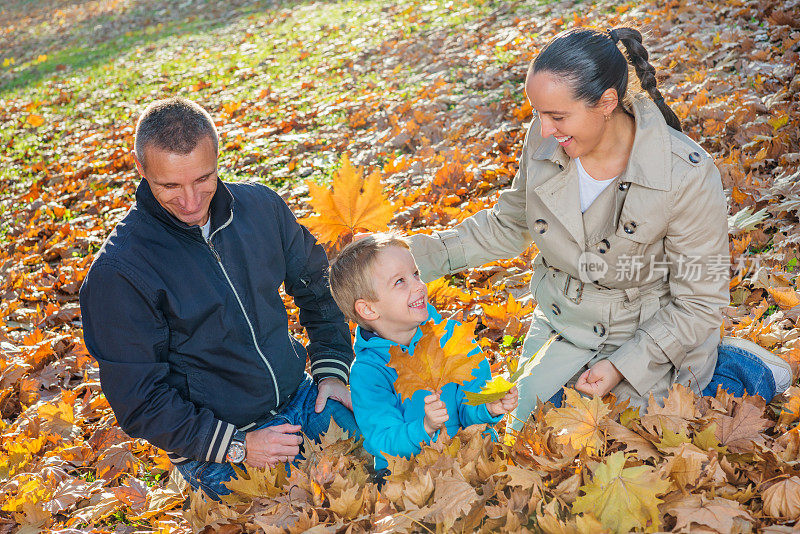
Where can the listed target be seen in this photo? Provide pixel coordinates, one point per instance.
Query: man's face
(183, 184)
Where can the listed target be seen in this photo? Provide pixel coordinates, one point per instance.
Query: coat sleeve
(379, 416)
(473, 415)
(696, 239)
(330, 349)
(491, 234)
(128, 335)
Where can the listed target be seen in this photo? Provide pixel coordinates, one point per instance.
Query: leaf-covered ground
(428, 94)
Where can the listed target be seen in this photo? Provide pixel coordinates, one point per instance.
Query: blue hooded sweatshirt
(394, 428)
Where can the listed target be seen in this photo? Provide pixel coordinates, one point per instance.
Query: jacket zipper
(241, 306)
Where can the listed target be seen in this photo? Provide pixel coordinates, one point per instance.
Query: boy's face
(402, 296)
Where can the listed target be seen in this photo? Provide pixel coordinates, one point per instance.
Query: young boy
(376, 283)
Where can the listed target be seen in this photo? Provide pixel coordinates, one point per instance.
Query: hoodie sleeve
(379, 416)
(128, 335)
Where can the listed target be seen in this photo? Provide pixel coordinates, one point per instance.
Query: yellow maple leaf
(623, 499)
(497, 387)
(352, 204)
(493, 390)
(580, 421)
(433, 365)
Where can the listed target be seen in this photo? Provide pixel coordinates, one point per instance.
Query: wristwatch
(237, 450)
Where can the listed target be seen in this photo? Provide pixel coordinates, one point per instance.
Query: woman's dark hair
(590, 62)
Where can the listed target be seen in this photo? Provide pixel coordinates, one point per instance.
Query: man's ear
(139, 166)
(608, 102)
(365, 310)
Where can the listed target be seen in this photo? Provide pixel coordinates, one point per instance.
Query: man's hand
(504, 405)
(332, 388)
(435, 414)
(272, 445)
(599, 379)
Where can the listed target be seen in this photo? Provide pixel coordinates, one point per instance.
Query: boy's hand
(435, 414)
(504, 405)
(599, 379)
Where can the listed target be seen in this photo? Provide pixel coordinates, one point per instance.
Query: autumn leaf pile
(420, 106)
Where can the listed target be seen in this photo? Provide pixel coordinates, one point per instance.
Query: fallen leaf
(623, 498)
(580, 421)
(782, 499)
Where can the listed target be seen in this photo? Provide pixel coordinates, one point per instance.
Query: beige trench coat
(660, 231)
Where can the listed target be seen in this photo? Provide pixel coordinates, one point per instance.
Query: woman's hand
(504, 405)
(599, 379)
(435, 414)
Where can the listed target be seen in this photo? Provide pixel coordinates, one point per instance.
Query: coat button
(623, 186)
(630, 227)
(600, 329)
(556, 309)
(694, 157)
(540, 226)
(603, 246)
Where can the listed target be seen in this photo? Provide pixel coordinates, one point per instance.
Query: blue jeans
(298, 411)
(737, 371)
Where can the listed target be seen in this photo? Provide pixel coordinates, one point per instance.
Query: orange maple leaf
(433, 365)
(785, 297)
(353, 203)
(497, 315)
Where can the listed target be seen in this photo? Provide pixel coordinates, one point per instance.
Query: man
(182, 310)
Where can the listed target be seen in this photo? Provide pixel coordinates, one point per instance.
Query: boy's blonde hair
(351, 272)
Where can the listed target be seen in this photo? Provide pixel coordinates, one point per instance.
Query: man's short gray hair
(173, 125)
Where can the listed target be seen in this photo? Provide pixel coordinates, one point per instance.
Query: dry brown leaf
(782, 499)
(580, 421)
(720, 515)
(740, 431)
(679, 409)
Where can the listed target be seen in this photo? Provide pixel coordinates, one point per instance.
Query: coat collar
(221, 208)
(648, 166)
(649, 163)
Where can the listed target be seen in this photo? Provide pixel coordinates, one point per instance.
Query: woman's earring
(607, 117)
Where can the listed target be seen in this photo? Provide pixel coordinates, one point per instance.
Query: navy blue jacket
(192, 337)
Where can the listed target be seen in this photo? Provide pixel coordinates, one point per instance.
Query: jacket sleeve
(379, 416)
(473, 415)
(491, 234)
(697, 236)
(127, 334)
(330, 348)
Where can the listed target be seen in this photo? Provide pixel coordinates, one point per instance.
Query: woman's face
(576, 126)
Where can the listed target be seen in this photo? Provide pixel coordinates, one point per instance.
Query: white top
(206, 229)
(590, 188)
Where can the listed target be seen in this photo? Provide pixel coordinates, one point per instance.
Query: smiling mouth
(419, 303)
(564, 139)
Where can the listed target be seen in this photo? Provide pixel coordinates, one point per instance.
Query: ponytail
(591, 63)
(638, 57)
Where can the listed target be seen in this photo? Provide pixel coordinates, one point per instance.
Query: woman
(630, 220)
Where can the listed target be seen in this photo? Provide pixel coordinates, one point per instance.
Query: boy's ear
(365, 310)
